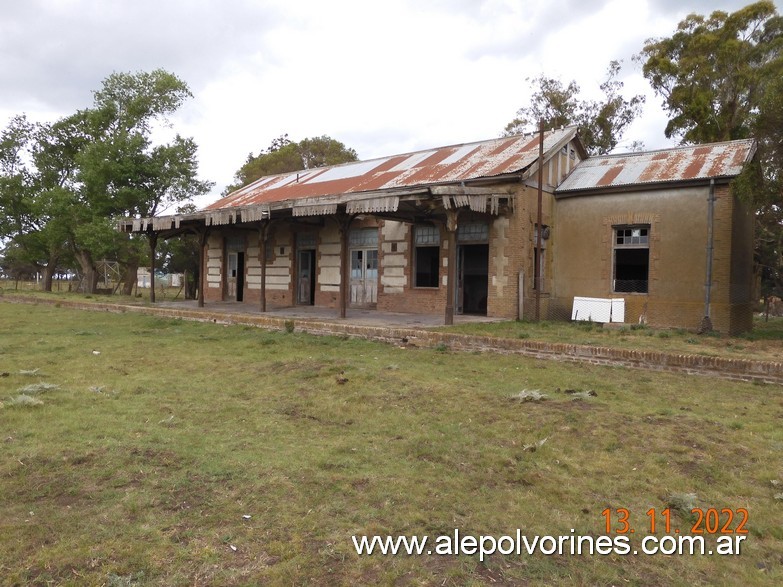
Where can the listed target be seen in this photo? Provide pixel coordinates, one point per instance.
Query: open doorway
(472, 279)
(305, 277)
(235, 278)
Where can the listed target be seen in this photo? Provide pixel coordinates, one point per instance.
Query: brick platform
(735, 369)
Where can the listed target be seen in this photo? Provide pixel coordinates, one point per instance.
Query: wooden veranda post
(153, 245)
(263, 237)
(344, 224)
(451, 269)
(202, 266)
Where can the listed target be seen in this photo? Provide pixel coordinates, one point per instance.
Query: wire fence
(164, 289)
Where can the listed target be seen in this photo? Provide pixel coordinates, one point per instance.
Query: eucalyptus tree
(721, 78)
(601, 122)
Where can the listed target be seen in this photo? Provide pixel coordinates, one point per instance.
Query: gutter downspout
(706, 323)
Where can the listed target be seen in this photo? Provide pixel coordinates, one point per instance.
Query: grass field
(152, 451)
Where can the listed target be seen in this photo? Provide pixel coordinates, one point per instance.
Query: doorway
(305, 277)
(472, 279)
(364, 277)
(235, 278)
(363, 282)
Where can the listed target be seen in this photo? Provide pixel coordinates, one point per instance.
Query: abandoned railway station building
(514, 227)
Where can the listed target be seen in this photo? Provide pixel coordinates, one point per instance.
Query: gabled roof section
(691, 163)
(442, 165)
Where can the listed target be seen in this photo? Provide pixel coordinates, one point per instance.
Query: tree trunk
(48, 273)
(89, 273)
(130, 278)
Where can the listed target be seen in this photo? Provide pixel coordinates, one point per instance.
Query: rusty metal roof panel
(695, 162)
(455, 163)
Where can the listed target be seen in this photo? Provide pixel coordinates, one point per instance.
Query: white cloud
(384, 78)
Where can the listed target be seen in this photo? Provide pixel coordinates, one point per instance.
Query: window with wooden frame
(631, 259)
(426, 262)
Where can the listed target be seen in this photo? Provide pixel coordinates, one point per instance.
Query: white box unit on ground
(598, 309)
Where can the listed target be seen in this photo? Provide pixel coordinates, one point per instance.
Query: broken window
(631, 259)
(426, 240)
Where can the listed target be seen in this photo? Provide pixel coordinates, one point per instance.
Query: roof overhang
(491, 196)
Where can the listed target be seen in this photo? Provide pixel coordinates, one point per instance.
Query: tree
(601, 123)
(121, 172)
(721, 78)
(27, 194)
(63, 185)
(15, 177)
(285, 156)
(713, 72)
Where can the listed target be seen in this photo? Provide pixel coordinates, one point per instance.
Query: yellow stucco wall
(583, 260)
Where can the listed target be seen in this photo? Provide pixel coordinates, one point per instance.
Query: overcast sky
(382, 77)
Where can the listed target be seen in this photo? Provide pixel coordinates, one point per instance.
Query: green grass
(162, 435)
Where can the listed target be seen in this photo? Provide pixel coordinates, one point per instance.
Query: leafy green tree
(87, 169)
(121, 172)
(285, 156)
(721, 78)
(713, 72)
(15, 177)
(28, 219)
(55, 198)
(601, 123)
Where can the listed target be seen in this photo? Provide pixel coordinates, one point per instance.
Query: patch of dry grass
(188, 453)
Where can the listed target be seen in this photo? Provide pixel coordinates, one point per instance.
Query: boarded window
(631, 259)
(427, 256)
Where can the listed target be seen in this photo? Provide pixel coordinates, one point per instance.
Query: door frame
(363, 290)
(309, 254)
(471, 235)
(235, 284)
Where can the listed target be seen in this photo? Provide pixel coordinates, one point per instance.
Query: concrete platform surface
(359, 316)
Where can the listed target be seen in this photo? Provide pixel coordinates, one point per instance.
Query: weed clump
(682, 502)
(24, 401)
(35, 388)
(530, 395)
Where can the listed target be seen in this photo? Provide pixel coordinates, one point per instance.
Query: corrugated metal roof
(695, 162)
(455, 163)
